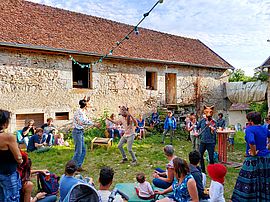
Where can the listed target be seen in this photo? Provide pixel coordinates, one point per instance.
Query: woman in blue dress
(184, 186)
(253, 182)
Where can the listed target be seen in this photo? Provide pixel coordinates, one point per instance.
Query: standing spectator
(196, 172)
(164, 178)
(10, 157)
(144, 189)
(80, 120)
(111, 127)
(183, 187)
(105, 181)
(217, 174)
(129, 124)
(48, 131)
(169, 126)
(220, 121)
(36, 142)
(207, 127)
(253, 181)
(28, 131)
(194, 135)
(154, 119)
(140, 128)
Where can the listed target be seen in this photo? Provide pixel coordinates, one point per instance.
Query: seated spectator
(68, 180)
(196, 172)
(163, 179)
(144, 189)
(28, 131)
(154, 121)
(217, 174)
(48, 131)
(111, 127)
(36, 143)
(59, 139)
(25, 172)
(105, 181)
(140, 129)
(184, 186)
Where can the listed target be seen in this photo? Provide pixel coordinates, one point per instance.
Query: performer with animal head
(207, 132)
(129, 124)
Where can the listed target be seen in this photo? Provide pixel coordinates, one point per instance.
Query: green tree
(239, 75)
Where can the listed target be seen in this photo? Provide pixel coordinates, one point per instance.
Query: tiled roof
(266, 63)
(34, 24)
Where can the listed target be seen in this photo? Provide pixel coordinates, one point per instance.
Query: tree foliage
(239, 75)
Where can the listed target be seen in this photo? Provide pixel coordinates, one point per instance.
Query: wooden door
(170, 82)
(22, 120)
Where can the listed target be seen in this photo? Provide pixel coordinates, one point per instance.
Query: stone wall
(40, 82)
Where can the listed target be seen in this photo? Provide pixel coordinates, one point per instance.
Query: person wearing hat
(80, 121)
(169, 126)
(217, 174)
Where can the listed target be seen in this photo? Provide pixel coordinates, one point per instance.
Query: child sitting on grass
(59, 139)
(217, 174)
(144, 189)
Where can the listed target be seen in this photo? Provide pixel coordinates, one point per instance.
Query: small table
(101, 141)
(222, 144)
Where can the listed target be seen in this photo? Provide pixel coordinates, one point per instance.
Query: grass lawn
(149, 153)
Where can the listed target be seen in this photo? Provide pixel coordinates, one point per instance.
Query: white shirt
(104, 194)
(145, 189)
(216, 192)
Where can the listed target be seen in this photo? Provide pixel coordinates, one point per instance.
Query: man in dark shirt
(28, 131)
(196, 172)
(207, 134)
(220, 121)
(35, 142)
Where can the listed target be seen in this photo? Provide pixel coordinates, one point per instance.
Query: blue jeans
(160, 183)
(48, 138)
(79, 153)
(10, 186)
(210, 147)
(26, 140)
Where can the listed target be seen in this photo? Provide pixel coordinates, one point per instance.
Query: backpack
(48, 184)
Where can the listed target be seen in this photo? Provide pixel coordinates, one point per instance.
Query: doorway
(170, 83)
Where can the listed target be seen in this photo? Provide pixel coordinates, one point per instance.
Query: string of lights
(118, 43)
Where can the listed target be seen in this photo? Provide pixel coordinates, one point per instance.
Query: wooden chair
(101, 142)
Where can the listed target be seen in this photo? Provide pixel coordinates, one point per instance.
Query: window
(82, 77)
(151, 80)
(61, 116)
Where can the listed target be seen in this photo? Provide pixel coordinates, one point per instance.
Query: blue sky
(237, 30)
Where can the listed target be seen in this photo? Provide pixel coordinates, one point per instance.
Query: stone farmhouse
(38, 80)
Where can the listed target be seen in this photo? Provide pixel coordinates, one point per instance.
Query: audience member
(68, 180)
(154, 121)
(169, 126)
(105, 181)
(196, 172)
(59, 139)
(183, 187)
(27, 186)
(28, 131)
(217, 174)
(144, 189)
(231, 142)
(111, 127)
(194, 135)
(163, 179)
(10, 157)
(254, 174)
(220, 121)
(140, 129)
(36, 143)
(48, 131)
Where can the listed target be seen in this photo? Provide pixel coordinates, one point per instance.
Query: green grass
(149, 153)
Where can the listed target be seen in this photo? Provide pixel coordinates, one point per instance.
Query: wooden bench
(102, 142)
